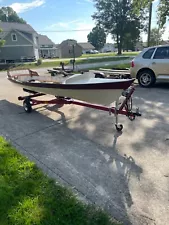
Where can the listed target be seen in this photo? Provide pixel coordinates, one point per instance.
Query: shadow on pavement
(100, 174)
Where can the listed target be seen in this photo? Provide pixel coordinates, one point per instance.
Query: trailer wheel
(27, 106)
(119, 127)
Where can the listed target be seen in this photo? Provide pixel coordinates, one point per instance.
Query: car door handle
(153, 63)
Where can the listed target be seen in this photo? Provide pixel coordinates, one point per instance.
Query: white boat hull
(81, 87)
(105, 97)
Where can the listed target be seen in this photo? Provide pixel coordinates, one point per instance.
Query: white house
(86, 47)
(108, 47)
(47, 49)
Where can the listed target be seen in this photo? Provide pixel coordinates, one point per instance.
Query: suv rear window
(162, 53)
(148, 53)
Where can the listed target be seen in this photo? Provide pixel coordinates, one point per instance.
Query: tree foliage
(7, 14)
(156, 37)
(131, 36)
(162, 9)
(163, 12)
(116, 17)
(97, 37)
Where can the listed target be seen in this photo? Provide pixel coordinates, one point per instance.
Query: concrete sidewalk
(127, 174)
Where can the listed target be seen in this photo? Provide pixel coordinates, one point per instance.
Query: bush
(39, 62)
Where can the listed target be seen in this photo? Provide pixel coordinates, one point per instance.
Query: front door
(160, 62)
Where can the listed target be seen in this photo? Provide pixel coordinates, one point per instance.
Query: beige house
(66, 49)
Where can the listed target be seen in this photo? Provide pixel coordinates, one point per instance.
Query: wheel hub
(145, 78)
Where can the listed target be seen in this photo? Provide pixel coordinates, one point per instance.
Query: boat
(84, 87)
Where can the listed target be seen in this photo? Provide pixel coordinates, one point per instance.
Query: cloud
(23, 7)
(82, 2)
(75, 29)
(91, 1)
(64, 24)
(83, 25)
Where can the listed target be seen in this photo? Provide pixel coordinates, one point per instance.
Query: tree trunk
(118, 45)
(119, 48)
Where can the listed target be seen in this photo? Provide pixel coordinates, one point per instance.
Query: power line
(62, 31)
(55, 31)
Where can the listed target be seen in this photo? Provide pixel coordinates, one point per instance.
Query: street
(127, 174)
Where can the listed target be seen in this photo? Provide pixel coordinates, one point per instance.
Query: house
(47, 48)
(140, 45)
(108, 47)
(86, 47)
(21, 42)
(69, 49)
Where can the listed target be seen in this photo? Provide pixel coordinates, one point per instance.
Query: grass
(53, 64)
(121, 66)
(93, 60)
(108, 54)
(28, 197)
(89, 59)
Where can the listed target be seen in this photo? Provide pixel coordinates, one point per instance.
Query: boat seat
(99, 75)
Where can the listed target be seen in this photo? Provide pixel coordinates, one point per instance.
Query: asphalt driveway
(127, 174)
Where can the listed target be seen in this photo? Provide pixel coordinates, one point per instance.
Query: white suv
(150, 65)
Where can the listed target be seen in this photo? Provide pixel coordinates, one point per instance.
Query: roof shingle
(44, 40)
(86, 46)
(8, 26)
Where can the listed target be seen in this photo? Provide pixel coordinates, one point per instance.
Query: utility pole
(149, 25)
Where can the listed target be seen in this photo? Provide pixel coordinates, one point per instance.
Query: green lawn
(93, 60)
(121, 66)
(52, 64)
(28, 197)
(109, 54)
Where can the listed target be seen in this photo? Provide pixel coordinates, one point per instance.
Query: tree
(132, 35)
(7, 14)
(2, 42)
(155, 37)
(162, 9)
(116, 17)
(163, 12)
(97, 37)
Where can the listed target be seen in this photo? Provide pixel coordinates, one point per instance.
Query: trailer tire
(27, 106)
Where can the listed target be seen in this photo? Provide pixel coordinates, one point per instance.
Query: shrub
(39, 62)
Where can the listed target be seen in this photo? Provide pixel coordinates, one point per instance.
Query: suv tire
(146, 78)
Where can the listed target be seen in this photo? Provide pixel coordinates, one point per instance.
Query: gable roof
(44, 40)
(86, 45)
(66, 42)
(8, 26)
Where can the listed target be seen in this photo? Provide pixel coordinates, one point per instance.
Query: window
(148, 53)
(162, 53)
(14, 37)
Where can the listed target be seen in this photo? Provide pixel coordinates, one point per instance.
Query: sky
(57, 18)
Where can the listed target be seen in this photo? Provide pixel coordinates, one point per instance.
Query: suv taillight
(132, 64)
